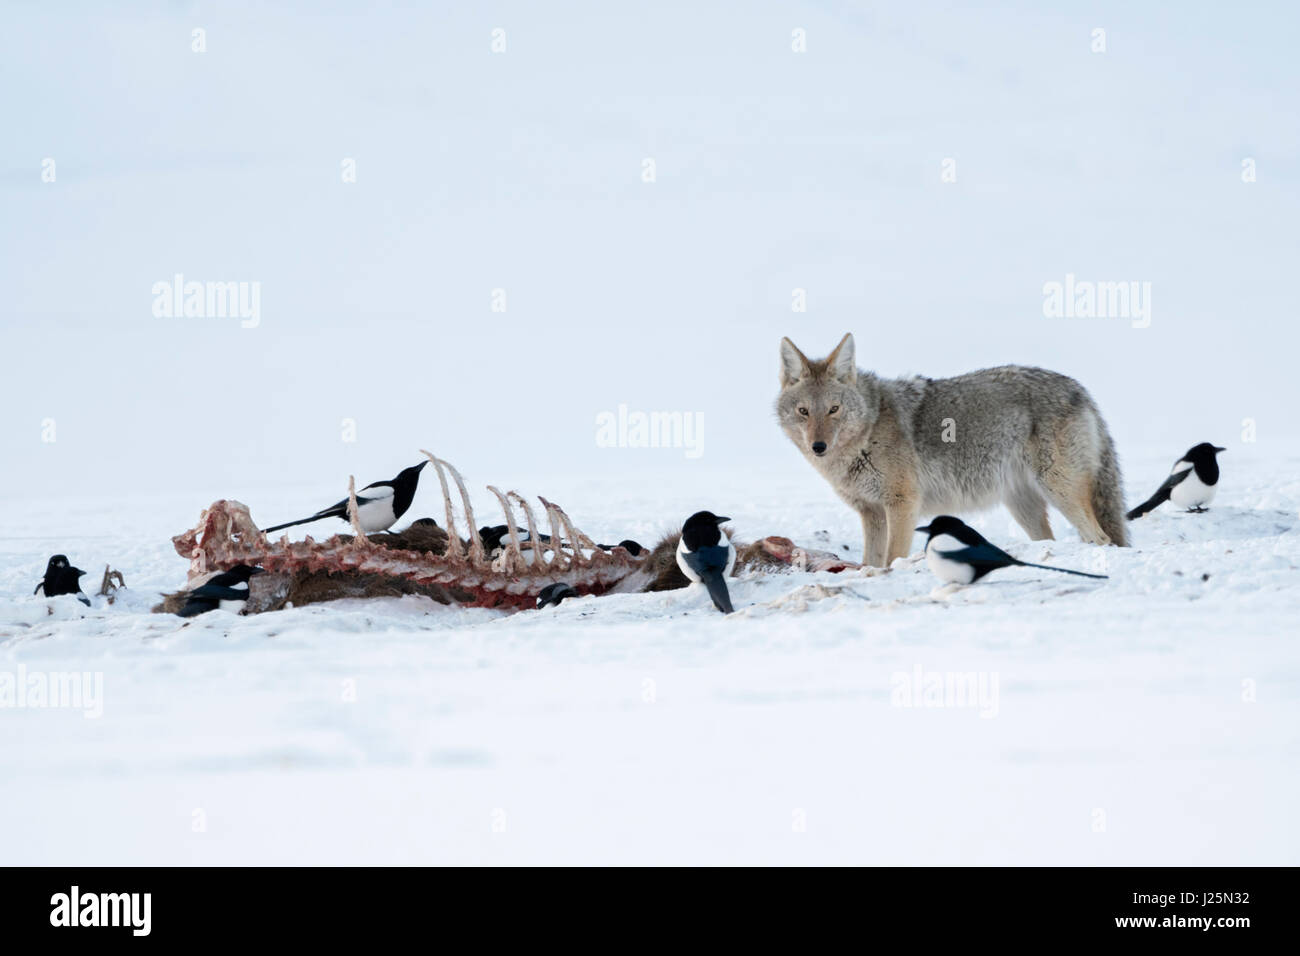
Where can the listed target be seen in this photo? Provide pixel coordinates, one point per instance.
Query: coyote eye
(834, 409)
(803, 412)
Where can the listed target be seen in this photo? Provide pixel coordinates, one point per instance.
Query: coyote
(895, 449)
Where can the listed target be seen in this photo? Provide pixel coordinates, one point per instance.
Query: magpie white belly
(376, 515)
(1191, 492)
(946, 569)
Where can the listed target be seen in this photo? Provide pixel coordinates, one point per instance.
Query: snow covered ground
(1153, 718)
(481, 229)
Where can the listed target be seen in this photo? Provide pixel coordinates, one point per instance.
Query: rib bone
(226, 535)
(476, 552)
(354, 514)
(537, 546)
(453, 541)
(577, 540)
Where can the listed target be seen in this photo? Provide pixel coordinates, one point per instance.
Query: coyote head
(819, 400)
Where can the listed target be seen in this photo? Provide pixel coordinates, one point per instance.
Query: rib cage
(226, 535)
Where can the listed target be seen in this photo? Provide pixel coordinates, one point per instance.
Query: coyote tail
(1108, 492)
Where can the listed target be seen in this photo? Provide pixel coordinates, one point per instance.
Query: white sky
(522, 171)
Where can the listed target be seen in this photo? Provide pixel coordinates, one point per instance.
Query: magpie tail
(290, 524)
(717, 585)
(1155, 501)
(1048, 567)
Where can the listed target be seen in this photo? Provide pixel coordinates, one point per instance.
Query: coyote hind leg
(1073, 498)
(1029, 508)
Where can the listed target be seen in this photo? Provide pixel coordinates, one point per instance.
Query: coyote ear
(842, 363)
(794, 364)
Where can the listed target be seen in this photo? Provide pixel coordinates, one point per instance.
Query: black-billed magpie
(1191, 483)
(379, 505)
(627, 544)
(959, 554)
(228, 591)
(62, 578)
(494, 536)
(554, 594)
(707, 556)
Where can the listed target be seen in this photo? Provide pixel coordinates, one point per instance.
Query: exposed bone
(559, 559)
(354, 513)
(801, 598)
(577, 540)
(476, 551)
(113, 581)
(226, 535)
(512, 557)
(453, 539)
(805, 559)
(537, 545)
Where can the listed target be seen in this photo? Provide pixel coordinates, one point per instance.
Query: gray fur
(1020, 436)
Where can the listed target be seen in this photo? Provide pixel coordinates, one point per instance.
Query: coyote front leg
(901, 516)
(875, 534)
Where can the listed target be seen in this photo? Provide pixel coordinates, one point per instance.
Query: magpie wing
(217, 592)
(982, 557)
(711, 558)
(710, 563)
(1175, 478)
(193, 608)
(379, 489)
